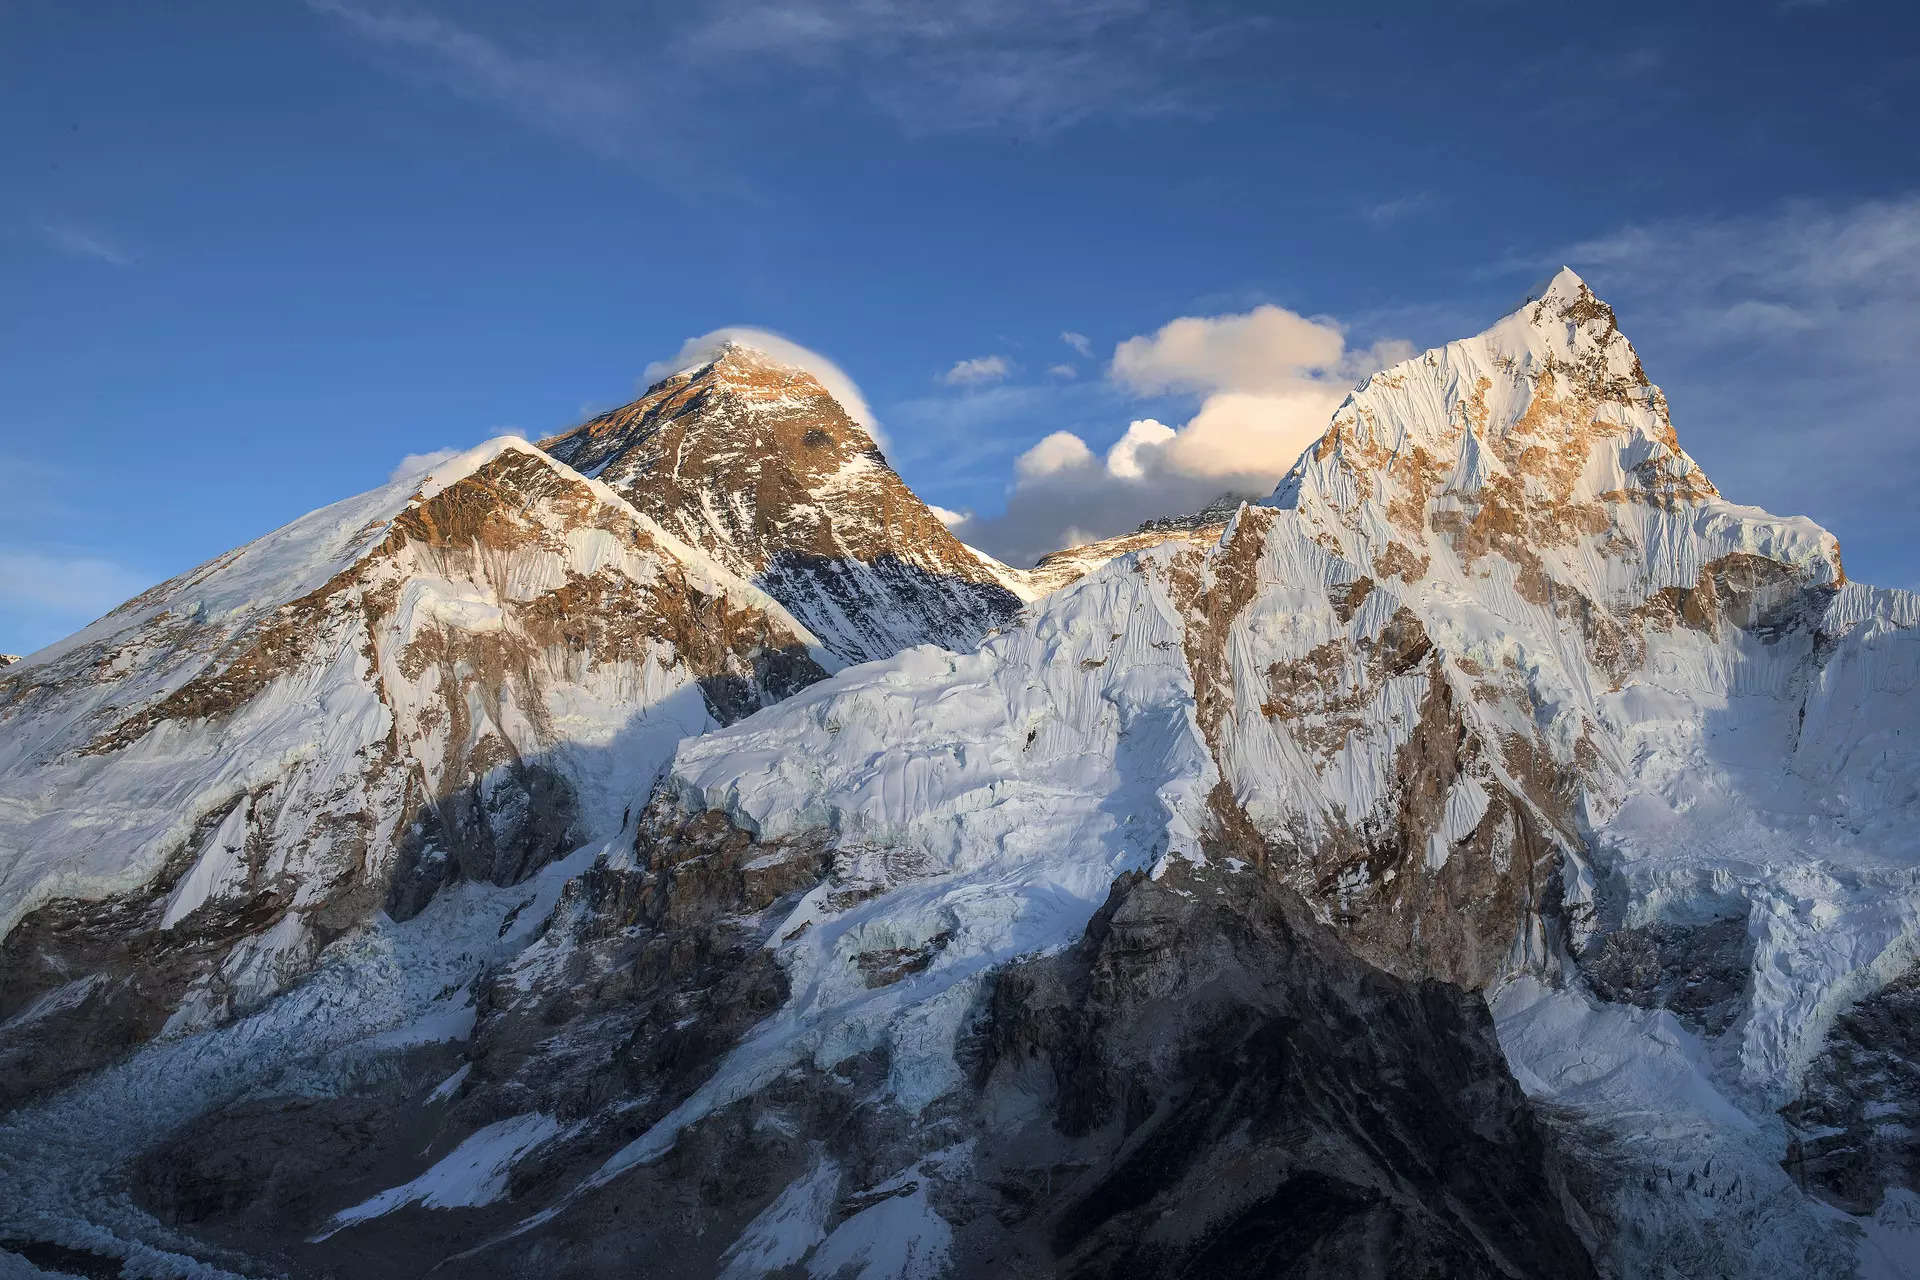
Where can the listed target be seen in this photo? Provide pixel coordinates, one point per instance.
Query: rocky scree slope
(756, 464)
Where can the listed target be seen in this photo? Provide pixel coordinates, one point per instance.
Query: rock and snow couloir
(1154, 935)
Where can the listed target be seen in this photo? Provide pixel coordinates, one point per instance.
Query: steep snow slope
(461, 675)
(1052, 956)
(1497, 678)
(755, 463)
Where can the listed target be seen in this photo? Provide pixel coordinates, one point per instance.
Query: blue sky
(254, 253)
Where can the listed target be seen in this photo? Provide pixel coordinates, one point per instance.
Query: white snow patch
(473, 1173)
(786, 1230)
(900, 1238)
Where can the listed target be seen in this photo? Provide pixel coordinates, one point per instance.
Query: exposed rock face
(1211, 1084)
(1700, 972)
(1212, 516)
(1154, 935)
(403, 692)
(1208, 1082)
(1855, 1121)
(756, 464)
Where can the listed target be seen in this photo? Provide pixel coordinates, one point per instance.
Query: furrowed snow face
(1102, 945)
(755, 463)
(1495, 677)
(463, 681)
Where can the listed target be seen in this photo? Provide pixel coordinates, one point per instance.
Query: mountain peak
(754, 461)
(742, 366)
(1540, 443)
(1563, 286)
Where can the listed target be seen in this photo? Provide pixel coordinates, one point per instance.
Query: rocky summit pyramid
(1490, 855)
(756, 464)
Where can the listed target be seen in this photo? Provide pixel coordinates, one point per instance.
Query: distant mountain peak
(1216, 512)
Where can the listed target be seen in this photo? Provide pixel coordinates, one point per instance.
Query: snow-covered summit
(1495, 675)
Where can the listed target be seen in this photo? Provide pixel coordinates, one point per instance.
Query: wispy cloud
(650, 91)
(419, 464)
(1389, 212)
(831, 377)
(1033, 66)
(1851, 272)
(74, 584)
(1079, 342)
(85, 242)
(978, 371)
(48, 593)
(580, 95)
(1643, 60)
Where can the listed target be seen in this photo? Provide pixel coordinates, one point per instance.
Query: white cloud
(1061, 451)
(698, 351)
(1268, 381)
(1065, 372)
(1036, 66)
(1247, 438)
(949, 517)
(84, 242)
(1079, 342)
(1266, 348)
(418, 464)
(977, 372)
(1143, 435)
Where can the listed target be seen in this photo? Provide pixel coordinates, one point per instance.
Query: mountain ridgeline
(668, 849)
(757, 465)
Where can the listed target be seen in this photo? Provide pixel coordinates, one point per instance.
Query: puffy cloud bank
(1267, 381)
